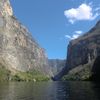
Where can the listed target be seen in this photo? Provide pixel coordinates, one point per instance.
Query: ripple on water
(49, 91)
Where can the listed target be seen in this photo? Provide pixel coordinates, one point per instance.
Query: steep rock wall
(18, 50)
(84, 49)
(82, 55)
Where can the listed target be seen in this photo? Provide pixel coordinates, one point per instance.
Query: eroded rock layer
(18, 50)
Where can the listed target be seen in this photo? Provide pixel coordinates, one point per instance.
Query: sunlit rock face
(6, 8)
(18, 50)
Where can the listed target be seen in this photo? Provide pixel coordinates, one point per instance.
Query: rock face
(83, 57)
(18, 50)
(56, 65)
(82, 53)
(84, 49)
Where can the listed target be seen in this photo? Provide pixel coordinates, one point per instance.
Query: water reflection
(96, 88)
(50, 91)
(83, 91)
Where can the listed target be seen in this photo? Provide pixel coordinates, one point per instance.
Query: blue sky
(53, 23)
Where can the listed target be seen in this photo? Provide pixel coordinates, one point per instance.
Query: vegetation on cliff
(82, 73)
(29, 76)
(35, 76)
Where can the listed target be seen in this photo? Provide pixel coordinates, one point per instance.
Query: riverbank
(6, 75)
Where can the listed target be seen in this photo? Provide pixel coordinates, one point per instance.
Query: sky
(54, 23)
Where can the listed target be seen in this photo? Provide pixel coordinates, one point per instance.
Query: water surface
(49, 91)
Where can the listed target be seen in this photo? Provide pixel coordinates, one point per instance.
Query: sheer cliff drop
(83, 55)
(18, 50)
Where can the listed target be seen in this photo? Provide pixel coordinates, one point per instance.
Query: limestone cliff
(84, 49)
(83, 57)
(18, 50)
(82, 54)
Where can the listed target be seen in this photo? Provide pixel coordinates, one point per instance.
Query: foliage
(83, 74)
(29, 76)
(6, 75)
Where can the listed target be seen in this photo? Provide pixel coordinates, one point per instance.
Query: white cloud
(83, 12)
(78, 32)
(74, 36)
(68, 36)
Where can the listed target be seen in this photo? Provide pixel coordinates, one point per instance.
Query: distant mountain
(56, 65)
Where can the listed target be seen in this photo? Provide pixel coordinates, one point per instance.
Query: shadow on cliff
(96, 70)
(60, 74)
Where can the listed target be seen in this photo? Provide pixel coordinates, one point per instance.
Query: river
(49, 91)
